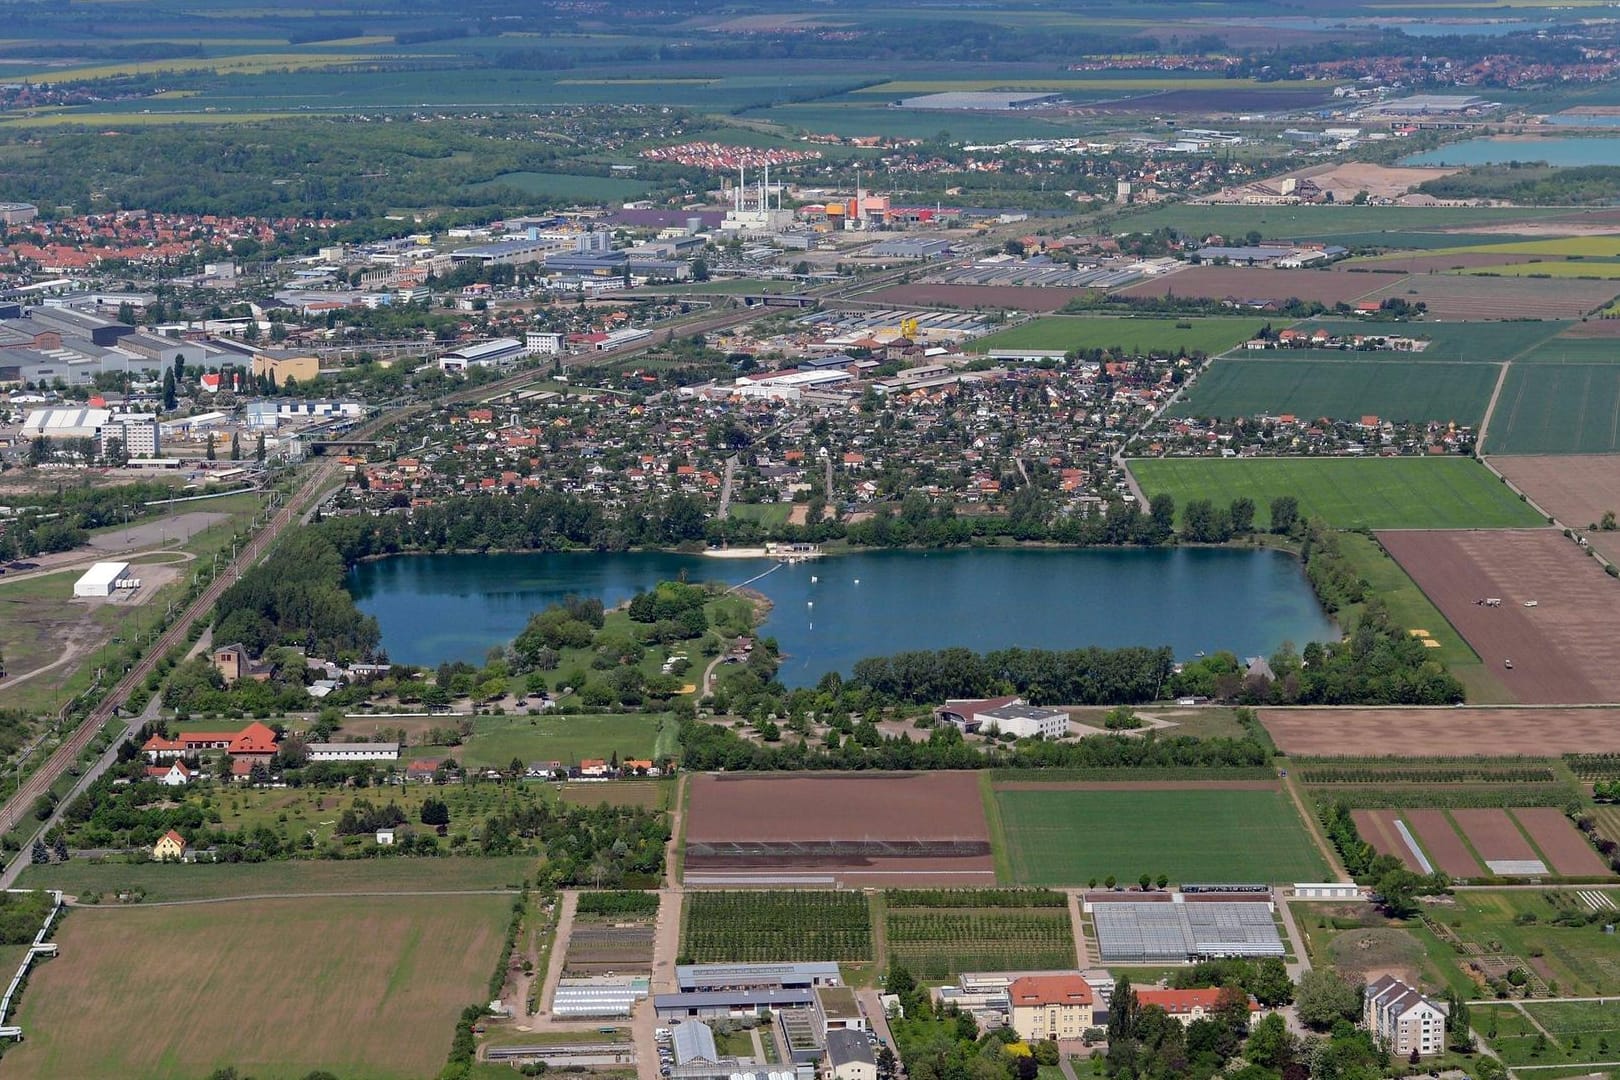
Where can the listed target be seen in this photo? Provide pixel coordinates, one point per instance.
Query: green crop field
(746, 926)
(1449, 341)
(1329, 387)
(1134, 336)
(976, 931)
(1070, 836)
(1348, 493)
(204, 881)
(1558, 409)
(180, 991)
(1574, 350)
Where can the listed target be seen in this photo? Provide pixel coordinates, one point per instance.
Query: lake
(831, 612)
(1597, 150)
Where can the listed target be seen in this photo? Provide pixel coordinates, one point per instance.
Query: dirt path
(1314, 827)
(291, 896)
(569, 901)
(1490, 407)
(71, 651)
(1082, 950)
(666, 940)
(676, 810)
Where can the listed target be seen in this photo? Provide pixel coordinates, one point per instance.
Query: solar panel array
(1148, 933)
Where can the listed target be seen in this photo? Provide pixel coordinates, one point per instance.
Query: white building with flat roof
(101, 579)
(358, 751)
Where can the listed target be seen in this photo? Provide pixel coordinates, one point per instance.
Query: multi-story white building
(1404, 1018)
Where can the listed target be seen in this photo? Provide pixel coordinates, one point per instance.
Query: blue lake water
(834, 611)
(1554, 150)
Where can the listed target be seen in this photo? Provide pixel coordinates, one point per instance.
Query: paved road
(1082, 950)
(66, 754)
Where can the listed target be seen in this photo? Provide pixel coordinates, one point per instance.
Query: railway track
(46, 776)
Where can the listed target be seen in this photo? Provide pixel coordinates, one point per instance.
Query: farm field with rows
(1070, 835)
(758, 926)
(939, 933)
(1133, 336)
(1347, 493)
(1327, 386)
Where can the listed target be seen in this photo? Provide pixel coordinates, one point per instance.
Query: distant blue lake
(434, 608)
(1554, 150)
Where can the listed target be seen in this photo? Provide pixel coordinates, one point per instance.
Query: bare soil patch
(1461, 297)
(1509, 732)
(1246, 284)
(860, 828)
(1594, 328)
(1566, 849)
(1563, 650)
(1140, 785)
(1441, 843)
(1377, 827)
(1346, 179)
(1493, 834)
(1574, 488)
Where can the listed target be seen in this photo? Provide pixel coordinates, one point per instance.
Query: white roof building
(101, 579)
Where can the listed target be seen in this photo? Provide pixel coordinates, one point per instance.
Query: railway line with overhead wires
(44, 778)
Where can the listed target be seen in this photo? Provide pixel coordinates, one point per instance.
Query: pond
(831, 612)
(1597, 150)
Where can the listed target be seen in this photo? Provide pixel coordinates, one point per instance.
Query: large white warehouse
(101, 579)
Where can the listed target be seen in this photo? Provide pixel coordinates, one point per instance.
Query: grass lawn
(1067, 837)
(1407, 604)
(1348, 493)
(1330, 387)
(768, 515)
(1557, 409)
(305, 967)
(1210, 336)
(1324, 222)
(496, 740)
(1581, 961)
(188, 881)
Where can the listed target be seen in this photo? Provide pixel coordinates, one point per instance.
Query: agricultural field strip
(759, 926)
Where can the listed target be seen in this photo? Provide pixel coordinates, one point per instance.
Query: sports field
(1341, 390)
(1070, 835)
(1131, 336)
(369, 989)
(1348, 493)
(1558, 409)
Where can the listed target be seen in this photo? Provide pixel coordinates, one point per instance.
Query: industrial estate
(803, 542)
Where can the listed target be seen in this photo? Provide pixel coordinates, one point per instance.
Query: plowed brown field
(1565, 649)
(1493, 834)
(1244, 283)
(1575, 488)
(1470, 732)
(759, 820)
(1566, 849)
(1441, 843)
(1377, 827)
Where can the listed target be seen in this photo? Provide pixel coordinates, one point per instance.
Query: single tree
(1123, 1011)
(236, 446)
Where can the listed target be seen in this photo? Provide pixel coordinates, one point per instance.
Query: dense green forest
(1531, 183)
